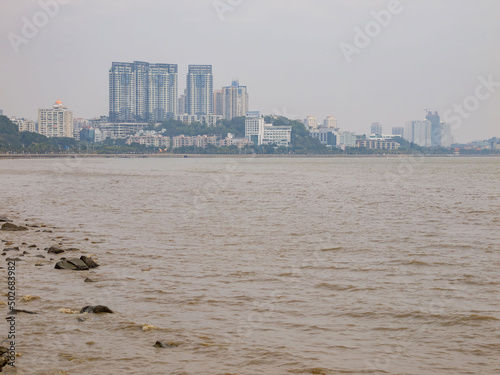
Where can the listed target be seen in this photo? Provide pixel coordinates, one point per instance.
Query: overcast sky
(429, 54)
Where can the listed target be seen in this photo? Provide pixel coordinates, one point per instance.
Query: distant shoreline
(222, 156)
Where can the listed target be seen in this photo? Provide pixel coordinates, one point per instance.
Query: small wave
(148, 327)
(28, 298)
(68, 311)
(335, 286)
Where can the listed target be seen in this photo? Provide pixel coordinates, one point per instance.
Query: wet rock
(81, 320)
(161, 344)
(9, 243)
(38, 265)
(17, 311)
(11, 249)
(24, 244)
(87, 280)
(73, 249)
(73, 264)
(89, 262)
(4, 254)
(32, 246)
(47, 231)
(39, 256)
(4, 219)
(12, 227)
(55, 250)
(13, 259)
(99, 309)
(25, 252)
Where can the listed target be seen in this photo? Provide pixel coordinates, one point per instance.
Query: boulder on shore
(96, 310)
(55, 250)
(12, 227)
(89, 262)
(73, 264)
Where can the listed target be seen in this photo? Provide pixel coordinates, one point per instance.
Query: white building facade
(56, 122)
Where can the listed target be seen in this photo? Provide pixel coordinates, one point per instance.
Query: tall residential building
(435, 128)
(200, 91)
(55, 122)
(330, 122)
(398, 131)
(235, 99)
(182, 108)
(141, 91)
(376, 128)
(1, 112)
(311, 123)
(219, 102)
(419, 132)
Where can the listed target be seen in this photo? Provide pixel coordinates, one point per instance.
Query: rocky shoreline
(27, 244)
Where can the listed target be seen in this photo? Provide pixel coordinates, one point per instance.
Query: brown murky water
(260, 266)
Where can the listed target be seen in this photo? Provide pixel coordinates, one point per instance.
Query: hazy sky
(429, 54)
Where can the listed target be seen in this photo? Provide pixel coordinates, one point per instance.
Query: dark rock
(79, 264)
(17, 311)
(161, 344)
(55, 250)
(3, 350)
(47, 231)
(13, 228)
(11, 249)
(4, 254)
(5, 219)
(73, 264)
(87, 280)
(13, 259)
(25, 252)
(72, 249)
(89, 262)
(81, 320)
(38, 265)
(24, 244)
(8, 243)
(32, 246)
(40, 256)
(96, 310)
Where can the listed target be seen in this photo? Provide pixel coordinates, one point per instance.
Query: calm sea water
(261, 266)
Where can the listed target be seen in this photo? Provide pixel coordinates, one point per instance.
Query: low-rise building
(260, 133)
(378, 144)
(25, 125)
(150, 139)
(121, 130)
(209, 120)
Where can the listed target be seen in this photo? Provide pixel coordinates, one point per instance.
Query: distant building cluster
(153, 138)
(142, 94)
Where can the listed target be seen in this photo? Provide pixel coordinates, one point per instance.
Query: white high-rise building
(311, 123)
(141, 91)
(55, 122)
(200, 90)
(446, 137)
(419, 132)
(330, 122)
(254, 127)
(235, 101)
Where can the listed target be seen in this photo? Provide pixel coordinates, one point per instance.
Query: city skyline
(295, 62)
